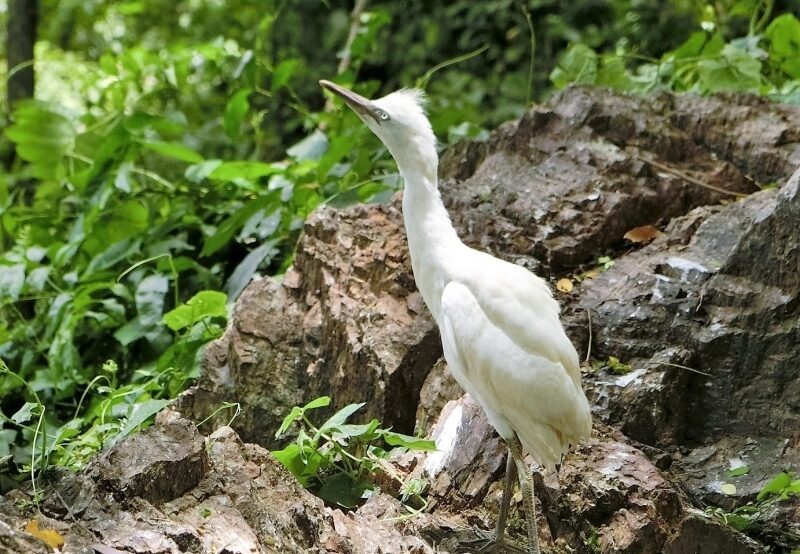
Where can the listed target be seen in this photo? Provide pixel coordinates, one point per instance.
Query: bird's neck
(432, 240)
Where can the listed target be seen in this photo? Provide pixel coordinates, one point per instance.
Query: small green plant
(765, 61)
(613, 365)
(744, 518)
(108, 411)
(340, 461)
(605, 263)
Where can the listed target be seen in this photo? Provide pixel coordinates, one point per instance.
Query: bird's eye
(383, 115)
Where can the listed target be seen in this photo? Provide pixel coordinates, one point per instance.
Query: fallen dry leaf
(564, 285)
(50, 537)
(643, 234)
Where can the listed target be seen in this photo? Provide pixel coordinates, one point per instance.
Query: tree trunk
(22, 16)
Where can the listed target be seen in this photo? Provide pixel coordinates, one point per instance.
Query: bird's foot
(487, 543)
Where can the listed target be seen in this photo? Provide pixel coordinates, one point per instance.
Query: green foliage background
(174, 150)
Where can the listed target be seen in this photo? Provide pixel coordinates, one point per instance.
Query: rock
(729, 308)
(349, 302)
(564, 183)
(469, 456)
(158, 464)
(13, 539)
(244, 502)
(256, 363)
(606, 493)
(437, 390)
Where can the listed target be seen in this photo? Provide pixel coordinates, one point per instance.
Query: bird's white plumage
(500, 326)
(505, 345)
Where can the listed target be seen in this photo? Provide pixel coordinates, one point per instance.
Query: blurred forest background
(173, 149)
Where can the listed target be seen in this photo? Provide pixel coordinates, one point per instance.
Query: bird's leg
(528, 500)
(508, 487)
(497, 543)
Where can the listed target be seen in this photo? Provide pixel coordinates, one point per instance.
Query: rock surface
(706, 316)
(235, 499)
(346, 322)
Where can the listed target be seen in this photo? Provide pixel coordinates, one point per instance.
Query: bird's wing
(522, 306)
(511, 363)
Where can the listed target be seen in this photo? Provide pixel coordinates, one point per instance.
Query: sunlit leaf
(140, 412)
(207, 303)
(26, 412)
(42, 135)
(310, 148)
(228, 171)
(320, 402)
(290, 418)
(12, 279)
(340, 417)
(414, 443)
(175, 151)
(775, 486)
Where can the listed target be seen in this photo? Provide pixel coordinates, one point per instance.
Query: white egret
(499, 323)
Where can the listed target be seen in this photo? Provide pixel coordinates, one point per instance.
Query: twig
(589, 348)
(689, 178)
(422, 82)
(528, 19)
(703, 373)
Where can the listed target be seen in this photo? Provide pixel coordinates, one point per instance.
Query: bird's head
(398, 120)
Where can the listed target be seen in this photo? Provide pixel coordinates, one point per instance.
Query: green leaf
(123, 179)
(175, 151)
(207, 303)
(310, 148)
(229, 171)
(349, 430)
(293, 416)
(232, 224)
(150, 299)
(736, 472)
(320, 402)
(413, 443)
(283, 73)
(340, 417)
(196, 173)
(339, 489)
(694, 46)
(617, 367)
(139, 413)
(613, 74)
(578, 65)
(12, 279)
(116, 252)
(776, 486)
(303, 463)
(784, 48)
(26, 413)
(130, 332)
(235, 111)
(243, 273)
(42, 134)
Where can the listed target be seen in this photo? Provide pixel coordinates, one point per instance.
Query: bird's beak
(357, 103)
